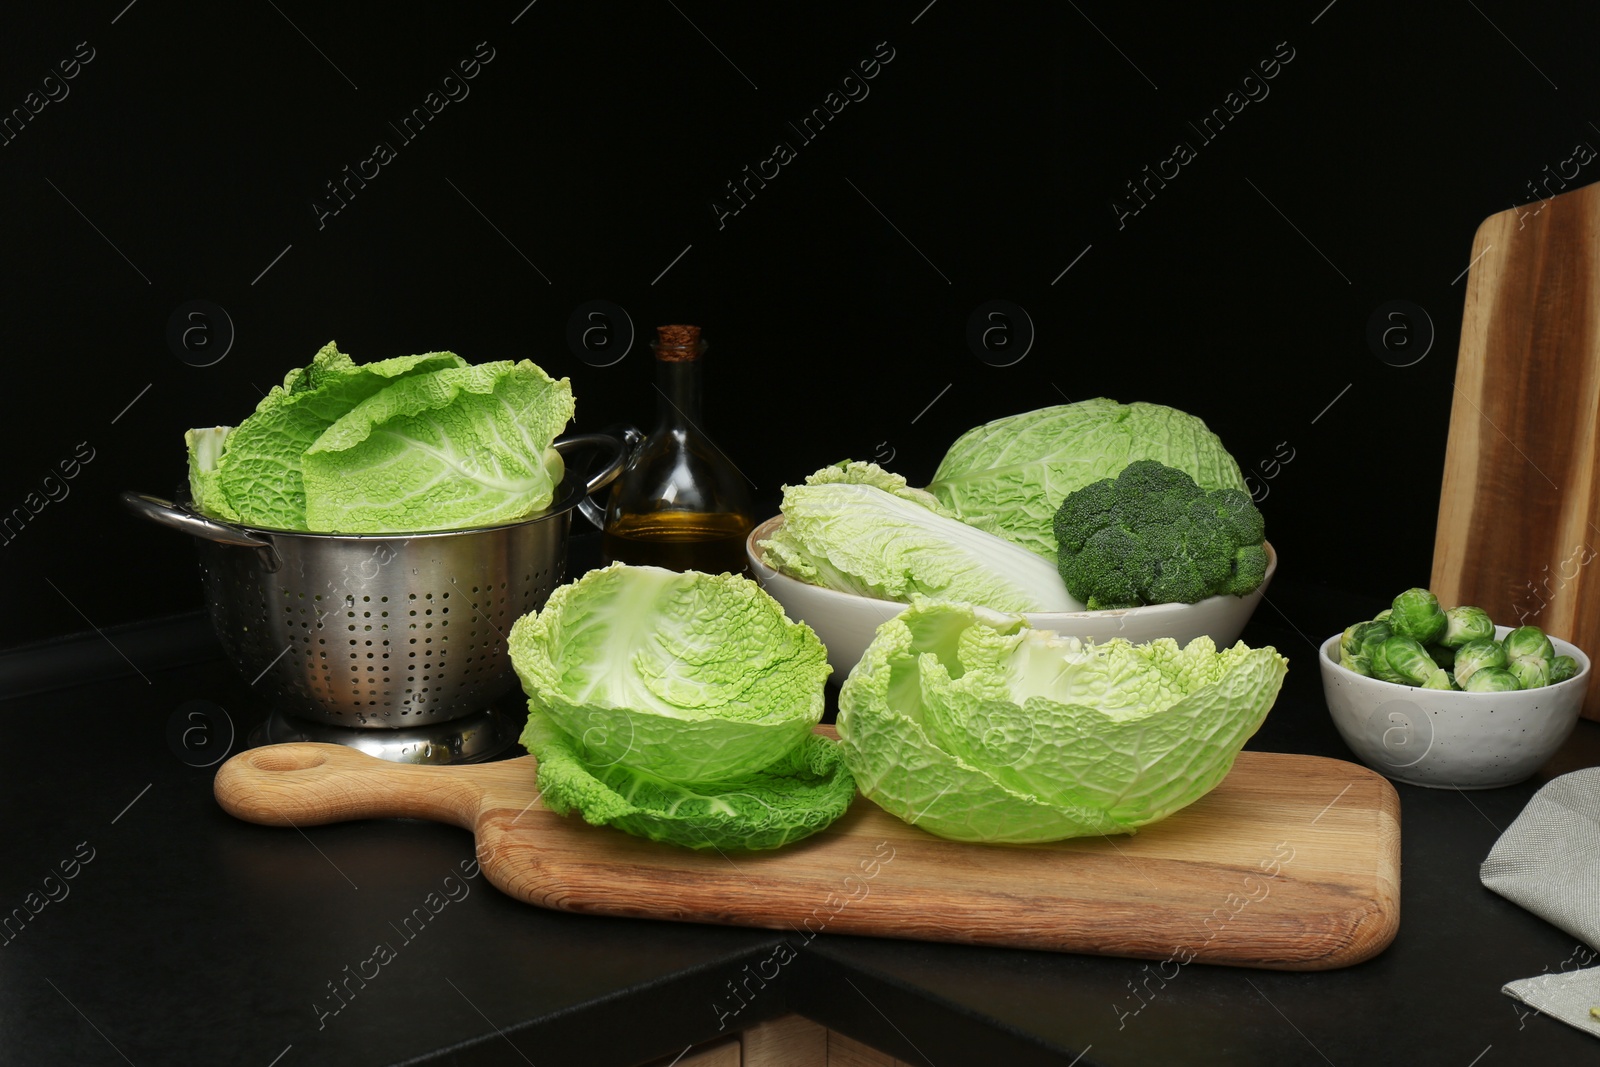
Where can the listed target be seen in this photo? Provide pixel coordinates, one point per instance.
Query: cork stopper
(675, 344)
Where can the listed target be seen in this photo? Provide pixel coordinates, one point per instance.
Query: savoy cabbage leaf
(679, 706)
(805, 790)
(459, 447)
(1010, 475)
(978, 728)
(257, 478)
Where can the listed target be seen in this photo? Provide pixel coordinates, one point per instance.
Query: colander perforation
(324, 632)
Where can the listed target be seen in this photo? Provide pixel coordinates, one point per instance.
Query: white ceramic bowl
(846, 622)
(1451, 740)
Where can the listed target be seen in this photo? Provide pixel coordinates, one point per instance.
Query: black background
(187, 155)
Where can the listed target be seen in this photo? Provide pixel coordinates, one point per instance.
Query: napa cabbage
(858, 528)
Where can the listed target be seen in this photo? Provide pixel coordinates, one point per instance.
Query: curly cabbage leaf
(807, 788)
(977, 728)
(425, 442)
(685, 675)
(1009, 476)
(258, 476)
(205, 447)
(857, 528)
(679, 707)
(465, 446)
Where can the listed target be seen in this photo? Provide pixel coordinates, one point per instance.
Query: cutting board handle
(309, 784)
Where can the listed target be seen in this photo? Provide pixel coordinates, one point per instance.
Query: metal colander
(381, 630)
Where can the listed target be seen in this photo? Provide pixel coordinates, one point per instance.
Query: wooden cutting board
(1292, 863)
(1519, 511)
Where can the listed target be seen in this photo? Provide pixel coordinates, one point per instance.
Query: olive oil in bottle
(680, 502)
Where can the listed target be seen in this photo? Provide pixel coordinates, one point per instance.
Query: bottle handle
(631, 438)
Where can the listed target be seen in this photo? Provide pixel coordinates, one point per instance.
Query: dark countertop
(190, 937)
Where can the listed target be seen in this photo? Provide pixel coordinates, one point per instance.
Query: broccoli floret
(1239, 514)
(1249, 570)
(1124, 569)
(1152, 536)
(1087, 511)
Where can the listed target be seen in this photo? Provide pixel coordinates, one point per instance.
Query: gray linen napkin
(1567, 996)
(1548, 861)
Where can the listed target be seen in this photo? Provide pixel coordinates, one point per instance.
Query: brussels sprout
(1416, 614)
(1415, 643)
(1404, 661)
(1475, 655)
(1463, 624)
(1492, 680)
(1528, 641)
(1349, 643)
(1355, 648)
(1531, 672)
(1376, 633)
(1372, 649)
(1439, 679)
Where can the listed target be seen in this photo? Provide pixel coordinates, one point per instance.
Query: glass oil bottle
(680, 503)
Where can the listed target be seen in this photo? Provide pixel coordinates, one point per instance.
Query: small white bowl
(846, 622)
(1452, 740)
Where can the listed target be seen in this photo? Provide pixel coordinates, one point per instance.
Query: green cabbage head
(975, 727)
(1010, 476)
(679, 706)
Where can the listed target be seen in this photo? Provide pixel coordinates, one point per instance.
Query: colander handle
(187, 521)
(620, 444)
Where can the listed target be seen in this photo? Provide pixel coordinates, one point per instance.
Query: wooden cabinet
(792, 1041)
